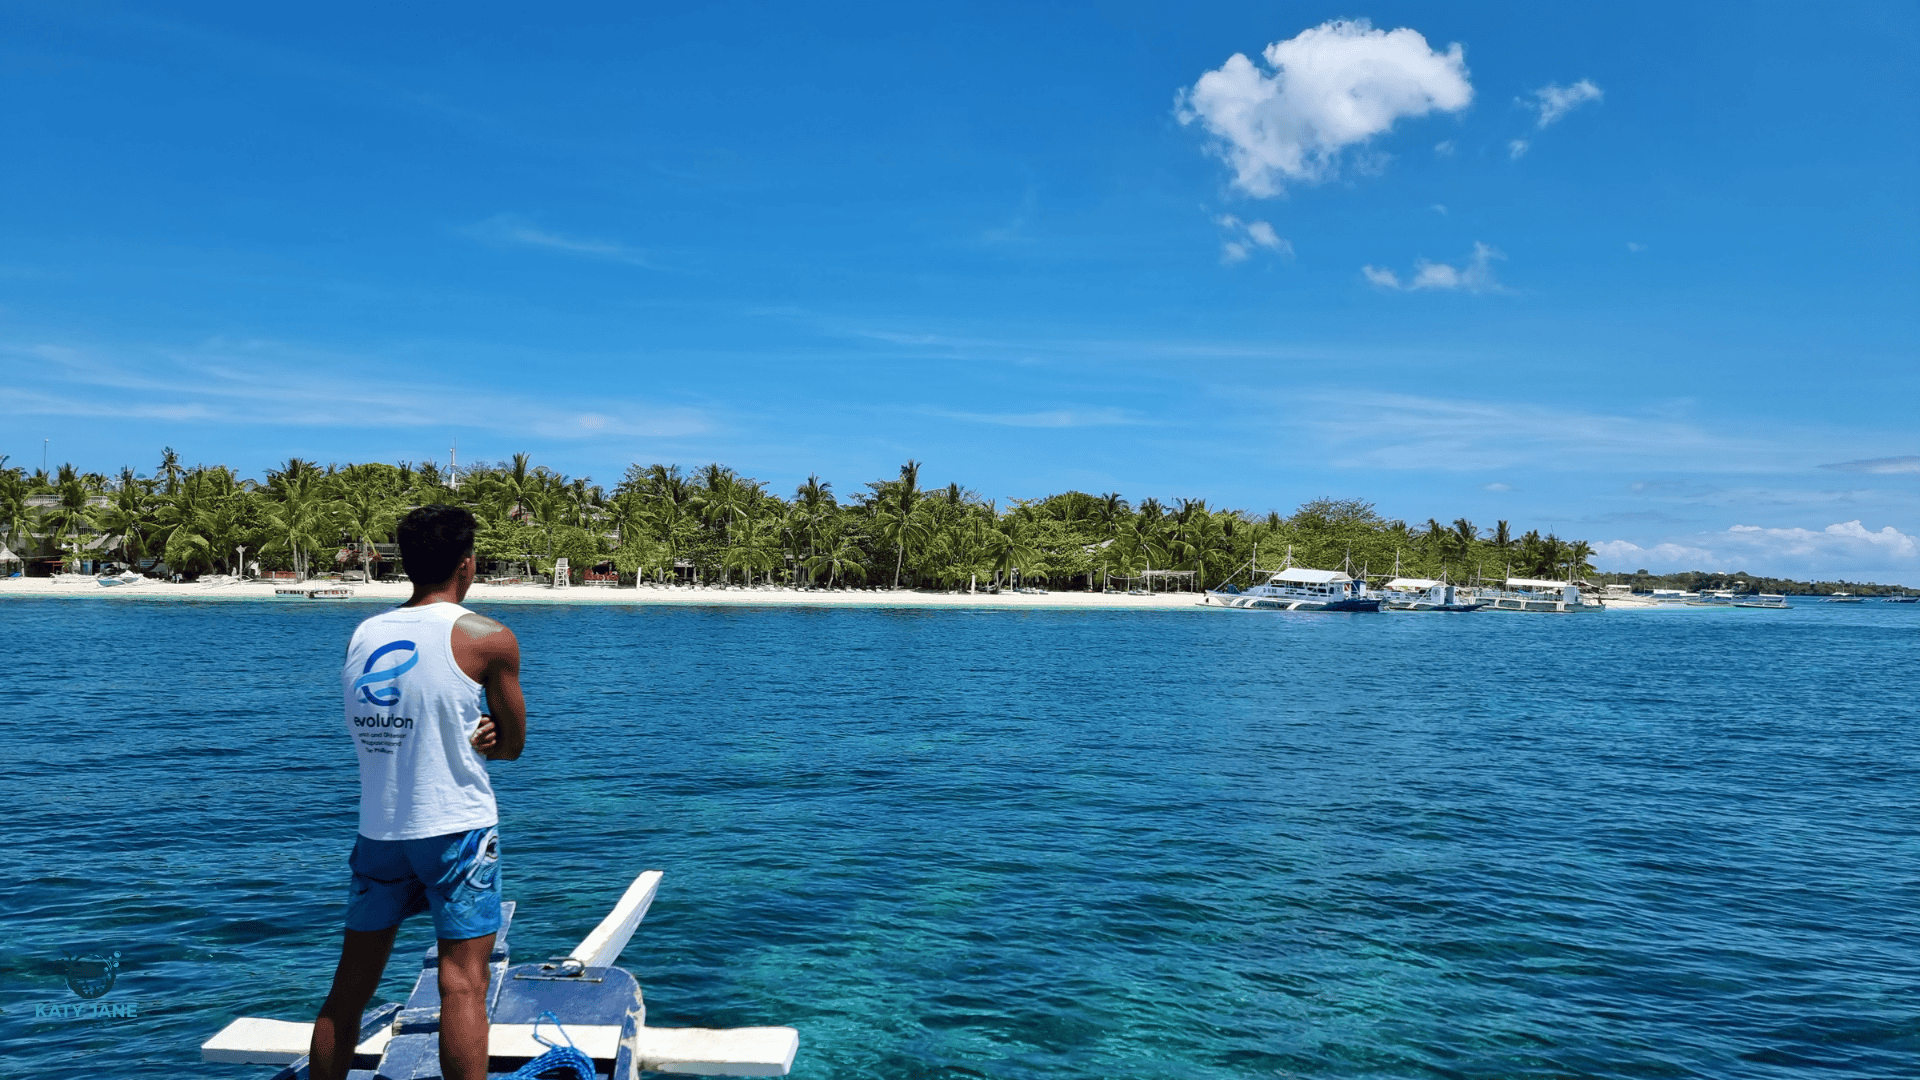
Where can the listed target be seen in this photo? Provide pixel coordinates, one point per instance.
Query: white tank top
(411, 710)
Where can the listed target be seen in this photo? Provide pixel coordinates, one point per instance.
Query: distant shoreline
(482, 595)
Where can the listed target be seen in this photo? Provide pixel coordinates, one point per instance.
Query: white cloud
(1439, 208)
(1496, 486)
(1334, 86)
(1849, 537)
(507, 230)
(1624, 556)
(1517, 149)
(1244, 236)
(1635, 246)
(1380, 276)
(1475, 275)
(1844, 549)
(1554, 102)
(1051, 418)
(1879, 465)
(1444, 147)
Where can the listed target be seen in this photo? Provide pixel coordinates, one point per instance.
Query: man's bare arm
(490, 655)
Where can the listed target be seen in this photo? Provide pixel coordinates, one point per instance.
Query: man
(431, 688)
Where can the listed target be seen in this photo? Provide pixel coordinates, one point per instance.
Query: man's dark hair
(433, 540)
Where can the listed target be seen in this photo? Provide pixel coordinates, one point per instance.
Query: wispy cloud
(1245, 237)
(1444, 147)
(1878, 465)
(1554, 102)
(1405, 431)
(1518, 148)
(1475, 275)
(1635, 246)
(509, 230)
(1049, 418)
(1323, 91)
(218, 383)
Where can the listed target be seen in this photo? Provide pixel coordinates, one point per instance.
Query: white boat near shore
(1297, 589)
(1425, 594)
(1623, 596)
(319, 592)
(1541, 596)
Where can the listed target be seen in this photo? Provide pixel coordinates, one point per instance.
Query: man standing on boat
(431, 690)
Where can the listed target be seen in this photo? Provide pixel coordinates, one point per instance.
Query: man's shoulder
(484, 634)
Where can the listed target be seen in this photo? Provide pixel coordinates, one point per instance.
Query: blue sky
(1640, 274)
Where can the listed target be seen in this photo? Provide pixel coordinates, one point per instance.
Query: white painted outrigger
(599, 1006)
(1534, 594)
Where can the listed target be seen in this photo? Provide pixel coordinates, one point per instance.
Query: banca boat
(580, 999)
(1623, 596)
(1538, 595)
(1297, 589)
(1424, 594)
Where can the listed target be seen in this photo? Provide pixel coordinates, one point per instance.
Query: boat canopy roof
(1536, 583)
(1412, 583)
(1305, 576)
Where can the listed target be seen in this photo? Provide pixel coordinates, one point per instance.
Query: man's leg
(363, 958)
(463, 1008)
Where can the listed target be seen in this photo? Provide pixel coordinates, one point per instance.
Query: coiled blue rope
(559, 1062)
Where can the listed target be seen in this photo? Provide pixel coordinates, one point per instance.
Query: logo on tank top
(369, 681)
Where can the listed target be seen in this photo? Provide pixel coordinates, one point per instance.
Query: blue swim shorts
(457, 876)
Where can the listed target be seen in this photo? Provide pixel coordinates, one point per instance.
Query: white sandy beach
(483, 594)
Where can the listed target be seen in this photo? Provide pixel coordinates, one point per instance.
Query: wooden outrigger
(597, 1004)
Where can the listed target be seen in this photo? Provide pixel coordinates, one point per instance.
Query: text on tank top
(411, 712)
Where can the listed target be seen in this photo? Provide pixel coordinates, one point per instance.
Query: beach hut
(10, 564)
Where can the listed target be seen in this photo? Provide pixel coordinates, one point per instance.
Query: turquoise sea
(977, 843)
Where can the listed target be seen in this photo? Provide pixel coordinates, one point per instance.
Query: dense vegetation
(1698, 580)
(660, 521)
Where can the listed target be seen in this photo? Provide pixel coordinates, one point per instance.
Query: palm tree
(298, 515)
(753, 546)
(169, 469)
(71, 514)
(186, 519)
(365, 514)
(838, 555)
(898, 517)
(1133, 550)
(16, 516)
(1579, 552)
(129, 516)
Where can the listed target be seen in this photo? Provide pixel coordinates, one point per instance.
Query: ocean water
(975, 843)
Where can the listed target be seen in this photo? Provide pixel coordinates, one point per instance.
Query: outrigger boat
(1535, 594)
(1424, 594)
(1298, 589)
(580, 1000)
